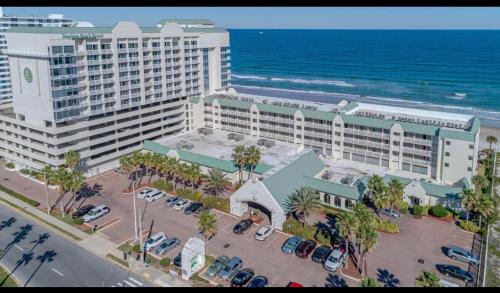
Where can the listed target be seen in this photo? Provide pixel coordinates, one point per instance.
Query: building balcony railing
(93, 62)
(107, 71)
(412, 140)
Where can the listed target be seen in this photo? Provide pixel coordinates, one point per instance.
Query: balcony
(107, 71)
(94, 82)
(93, 62)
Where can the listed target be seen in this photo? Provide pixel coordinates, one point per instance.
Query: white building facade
(103, 91)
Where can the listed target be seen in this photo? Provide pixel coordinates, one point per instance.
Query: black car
(192, 207)
(455, 272)
(242, 277)
(259, 281)
(178, 260)
(82, 211)
(242, 226)
(321, 253)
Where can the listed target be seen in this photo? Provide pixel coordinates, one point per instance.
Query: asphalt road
(37, 257)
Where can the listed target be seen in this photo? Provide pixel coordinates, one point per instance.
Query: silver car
(231, 268)
(171, 201)
(95, 213)
(459, 253)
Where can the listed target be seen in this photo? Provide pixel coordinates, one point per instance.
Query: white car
(95, 213)
(264, 232)
(336, 258)
(153, 196)
(181, 204)
(445, 283)
(154, 240)
(144, 193)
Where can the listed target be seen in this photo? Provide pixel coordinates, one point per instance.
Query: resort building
(8, 21)
(102, 91)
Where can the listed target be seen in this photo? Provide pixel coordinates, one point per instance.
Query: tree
(480, 182)
(252, 155)
(368, 240)
(369, 282)
(485, 208)
(365, 230)
(469, 200)
(428, 279)
(193, 175)
(47, 173)
(71, 159)
(378, 196)
(77, 180)
(303, 202)
(137, 160)
(395, 191)
(491, 140)
(216, 182)
(239, 159)
(62, 179)
(347, 225)
(149, 164)
(207, 224)
(128, 167)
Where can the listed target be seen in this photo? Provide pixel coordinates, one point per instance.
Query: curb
(10, 275)
(349, 277)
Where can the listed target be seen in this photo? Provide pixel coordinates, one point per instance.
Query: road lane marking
(135, 281)
(128, 283)
(57, 272)
(161, 283)
(18, 247)
(120, 284)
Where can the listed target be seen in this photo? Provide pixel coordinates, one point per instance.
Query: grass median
(19, 196)
(9, 281)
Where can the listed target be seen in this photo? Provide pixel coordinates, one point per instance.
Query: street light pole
(135, 213)
(140, 236)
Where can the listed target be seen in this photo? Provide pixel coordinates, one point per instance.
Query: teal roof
(353, 192)
(194, 100)
(187, 21)
(277, 109)
(293, 176)
(350, 105)
(459, 135)
(442, 191)
(203, 160)
(315, 114)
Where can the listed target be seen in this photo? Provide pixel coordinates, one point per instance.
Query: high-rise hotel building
(8, 21)
(104, 90)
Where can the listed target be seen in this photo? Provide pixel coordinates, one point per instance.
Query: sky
(288, 17)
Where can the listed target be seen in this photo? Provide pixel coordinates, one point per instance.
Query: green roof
(187, 21)
(194, 100)
(293, 176)
(353, 192)
(350, 105)
(315, 114)
(459, 135)
(203, 160)
(284, 110)
(442, 191)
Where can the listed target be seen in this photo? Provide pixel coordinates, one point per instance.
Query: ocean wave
(296, 80)
(286, 90)
(238, 76)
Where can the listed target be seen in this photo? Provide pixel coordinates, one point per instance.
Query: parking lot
(396, 261)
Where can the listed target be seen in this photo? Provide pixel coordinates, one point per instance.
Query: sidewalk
(99, 245)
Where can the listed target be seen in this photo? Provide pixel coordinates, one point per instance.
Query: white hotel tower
(104, 90)
(8, 21)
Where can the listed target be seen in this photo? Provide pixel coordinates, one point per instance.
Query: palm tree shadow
(387, 278)
(24, 260)
(335, 281)
(19, 236)
(48, 256)
(7, 223)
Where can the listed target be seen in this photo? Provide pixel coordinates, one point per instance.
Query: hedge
(189, 194)
(439, 211)
(10, 165)
(295, 227)
(163, 185)
(19, 196)
(136, 248)
(468, 226)
(386, 226)
(165, 262)
(25, 171)
(213, 202)
(418, 211)
(402, 206)
(78, 221)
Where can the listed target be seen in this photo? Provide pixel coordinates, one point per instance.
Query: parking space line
(268, 244)
(228, 226)
(251, 234)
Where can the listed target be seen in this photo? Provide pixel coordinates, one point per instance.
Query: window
(471, 146)
(348, 204)
(397, 134)
(446, 165)
(299, 127)
(336, 201)
(447, 154)
(326, 198)
(299, 136)
(394, 153)
(470, 158)
(448, 142)
(396, 143)
(469, 169)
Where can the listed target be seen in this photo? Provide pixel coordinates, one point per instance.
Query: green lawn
(9, 282)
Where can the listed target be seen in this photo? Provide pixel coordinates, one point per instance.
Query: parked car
(181, 204)
(171, 201)
(200, 210)
(258, 282)
(216, 266)
(167, 245)
(455, 272)
(291, 244)
(336, 258)
(459, 253)
(178, 260)
(387, 212)
(95, 213)
(154, 240)
(144, 192)
(232, 267)
(242, 277)
(321, 253)
(294, 285)
(80, 212)
(192, 207)
(242, 226)
(305, 248)
(264, 232)
(154, 196)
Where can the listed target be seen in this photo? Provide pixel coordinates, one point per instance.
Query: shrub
(163, 185)
(468, 226)
(438, 211)
(35, 174)
(298, 228)
(78, 221)
(10, 165)
(425, 210)
(323, 238)
(197, 196)
(418, 211)
(213, 202)
(386, 226)
(188, 194)
(25, 171)
(402, 206)
(136, 248)
(165, 262)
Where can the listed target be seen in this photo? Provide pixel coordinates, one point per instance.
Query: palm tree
(480, 182)
(149, 164)
(252, 155)
(428, 279)
(469, 200)
(47, 173)
(216, 182)
(194, 175)
(491, 140)
(207, 224)
(62, 179)
(368, 240)
(128, 167)
(485, 207)
(395, 191)
(347, 225)
(366, 224)
(377, 188)
(182, 173)
(137, 160)
(303, 202)
(369, 282)
(239, 159)
(77, 181)
(71, 159)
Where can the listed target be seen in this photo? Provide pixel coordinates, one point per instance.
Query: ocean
(444, 70)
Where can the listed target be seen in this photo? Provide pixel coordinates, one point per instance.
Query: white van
(336, 258)
(155, 195)
(154, 240)
(144, 193)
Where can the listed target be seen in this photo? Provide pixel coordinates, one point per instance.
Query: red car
(305, 248)
(294, 285)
